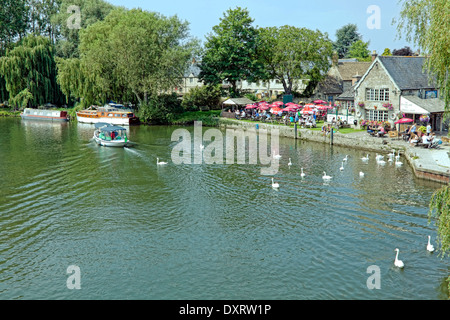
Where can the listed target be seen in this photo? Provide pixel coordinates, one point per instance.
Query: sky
(373, 18)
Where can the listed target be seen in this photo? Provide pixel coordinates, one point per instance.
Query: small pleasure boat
(109, 135)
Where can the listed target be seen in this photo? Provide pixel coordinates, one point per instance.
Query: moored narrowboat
(44, 114)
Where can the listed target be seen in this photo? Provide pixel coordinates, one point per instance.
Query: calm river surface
(196, 231)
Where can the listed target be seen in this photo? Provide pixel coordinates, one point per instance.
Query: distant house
(397, 85)
(343, 74)
(190, 79)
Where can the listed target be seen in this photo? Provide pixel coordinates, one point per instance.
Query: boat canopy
(107, 127)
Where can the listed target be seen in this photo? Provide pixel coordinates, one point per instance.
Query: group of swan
(399, 263)
(380, 158)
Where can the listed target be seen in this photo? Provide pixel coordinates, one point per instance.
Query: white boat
(44, 114)
(109, 135)
(110, 113)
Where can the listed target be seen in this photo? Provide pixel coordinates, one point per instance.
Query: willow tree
(427, 23)
(31, 65)
(290, 54)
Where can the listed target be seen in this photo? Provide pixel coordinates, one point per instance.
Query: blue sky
(324, 15)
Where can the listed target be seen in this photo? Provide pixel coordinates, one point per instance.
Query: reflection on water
(142, 231)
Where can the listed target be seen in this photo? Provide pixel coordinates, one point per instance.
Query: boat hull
(110, 143)
(44, 115)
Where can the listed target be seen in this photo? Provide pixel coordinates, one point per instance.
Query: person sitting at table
(412, 131)
(413, 139)
(426, 140)
(369, 129)
(381, 132)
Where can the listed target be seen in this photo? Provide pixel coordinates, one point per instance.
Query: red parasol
(251, 106)
(403, 120)
(276, 109)
(319, 101)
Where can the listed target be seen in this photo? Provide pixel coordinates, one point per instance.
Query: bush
(160, 109)
(204, 96)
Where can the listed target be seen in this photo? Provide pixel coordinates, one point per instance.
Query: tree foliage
(91, 12)
(290, 54)
(230, 51)
(387, 52)
(427, 24)
(405, 52)
(31, 65)
(345, 37)
(203, 96)
(360, 50)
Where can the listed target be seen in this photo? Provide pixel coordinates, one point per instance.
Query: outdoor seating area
(305, 115)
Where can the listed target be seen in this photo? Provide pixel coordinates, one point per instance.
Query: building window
(377, 115)
(377, 94)
(191, 80)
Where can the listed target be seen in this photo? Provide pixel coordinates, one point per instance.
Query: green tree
(31, 65)
(359, 49)
(13, 22)
(130, 53)
(203, 96)
(387, 52)
(427, 24)
(230, 51)
(345, 37)
(91, 11)
(290, 54)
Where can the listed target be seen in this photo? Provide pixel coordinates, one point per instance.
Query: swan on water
(275, 185)
(381, 162)
(361, 174)
(397, 157)
(366, 158)
(379, 157)
(160, 162)
(202, 147)
(325, 177)
(276, 156)
(346, 157)
(342, 166)
(430, 247)
(302, 174)
(398, 263)
(290, 163)
(398, 163)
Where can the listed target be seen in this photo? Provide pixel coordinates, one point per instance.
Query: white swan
(398, 163)
(397, 157)
(342, 166)
(290, 163)
(361, 174)
(325, 177)
(391, 155)
(346, 157)
(302, 174)
(275, 185)
(202, 147)
(381, 162)
(276, 156)
(390, 159)
(160, 162)
(398, 263)
(379, 157)
(366, 158)
(430, 247)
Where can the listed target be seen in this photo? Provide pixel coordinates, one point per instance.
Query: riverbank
(428, 164)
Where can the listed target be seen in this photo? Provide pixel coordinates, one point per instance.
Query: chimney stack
(374, 55)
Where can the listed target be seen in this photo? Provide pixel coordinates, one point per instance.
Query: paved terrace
(430, 164)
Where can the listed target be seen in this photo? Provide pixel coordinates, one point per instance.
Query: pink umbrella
(319, 101)
(276, 109)
(403, 120)
(291, 104)
(278, 103)
(288, 109)
(251, 106)
(263, 107)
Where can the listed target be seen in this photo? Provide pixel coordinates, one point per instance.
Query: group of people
(415, 136)
(379, 131)
(293, 117)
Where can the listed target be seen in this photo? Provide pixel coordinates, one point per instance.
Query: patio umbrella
(263, 107)
(403, 120)
(276, 110)
(288, 109)
(278, 103)
(319, 101)
(251, 106)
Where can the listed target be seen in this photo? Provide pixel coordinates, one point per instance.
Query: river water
(137, 230)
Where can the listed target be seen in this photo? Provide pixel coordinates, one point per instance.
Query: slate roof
(193, 69)
(349, 69)
(431, 105)
(407, 72)
(348, 94)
